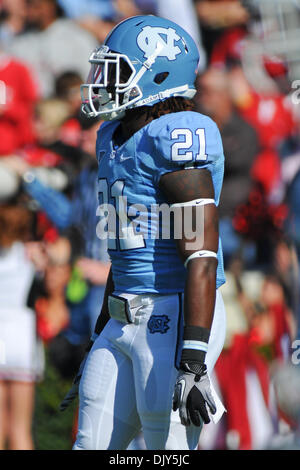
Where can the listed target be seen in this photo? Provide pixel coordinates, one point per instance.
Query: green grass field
(52, 429)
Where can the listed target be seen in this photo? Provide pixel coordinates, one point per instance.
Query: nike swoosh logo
(122, 158)
(182, 388)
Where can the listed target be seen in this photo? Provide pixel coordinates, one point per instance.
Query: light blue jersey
(143, 260)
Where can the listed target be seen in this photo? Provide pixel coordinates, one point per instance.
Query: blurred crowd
(53, 268)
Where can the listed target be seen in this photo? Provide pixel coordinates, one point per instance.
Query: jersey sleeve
(185, 140)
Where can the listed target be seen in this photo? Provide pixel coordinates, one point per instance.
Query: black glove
(193, 394)
(73, 392)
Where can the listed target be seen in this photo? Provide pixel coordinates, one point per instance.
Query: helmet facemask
(110, 88)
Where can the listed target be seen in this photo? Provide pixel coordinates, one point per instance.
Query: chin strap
(162, 95)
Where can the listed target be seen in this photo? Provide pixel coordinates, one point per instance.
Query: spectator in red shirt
(18, 95)
(271, 115)
(261, 101)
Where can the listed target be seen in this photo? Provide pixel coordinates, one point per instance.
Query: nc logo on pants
(158, 324)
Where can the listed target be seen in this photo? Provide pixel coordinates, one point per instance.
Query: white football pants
(129, 376)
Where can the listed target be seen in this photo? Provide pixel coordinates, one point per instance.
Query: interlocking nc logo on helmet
(150, 36)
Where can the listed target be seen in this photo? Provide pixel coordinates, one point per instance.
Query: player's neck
(134, 120)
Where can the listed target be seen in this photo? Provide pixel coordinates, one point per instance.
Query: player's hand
(73, 392)
(93, 270)
(193, 394)
(16, 163)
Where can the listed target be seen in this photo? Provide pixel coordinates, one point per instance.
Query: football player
(162, 323)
